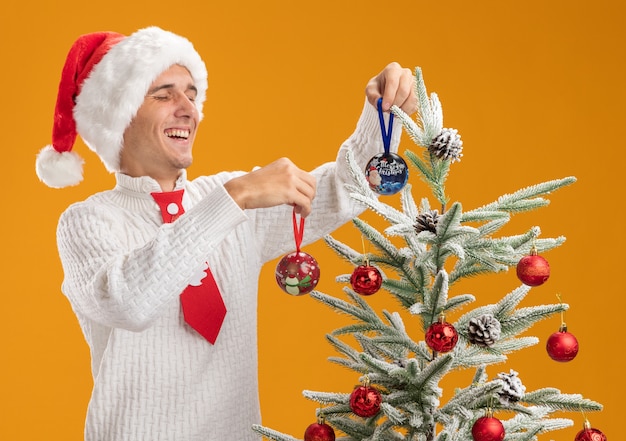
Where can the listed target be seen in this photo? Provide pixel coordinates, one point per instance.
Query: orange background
(536, 89)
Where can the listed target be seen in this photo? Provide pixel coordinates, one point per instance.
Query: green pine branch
(527, 198)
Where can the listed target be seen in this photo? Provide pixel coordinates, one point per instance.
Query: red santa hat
(103, 83)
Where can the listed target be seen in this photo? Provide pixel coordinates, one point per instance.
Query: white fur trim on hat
(59, 170)
(116, 88)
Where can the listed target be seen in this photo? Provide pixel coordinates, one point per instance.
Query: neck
(166, 176)
(167, 184)
(167, 181)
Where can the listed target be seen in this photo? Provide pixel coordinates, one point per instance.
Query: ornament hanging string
(366, 259)
(386, 132)
(558, 296)
(298, 231)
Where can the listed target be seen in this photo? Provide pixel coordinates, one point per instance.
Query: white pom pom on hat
(103, 84)
(58, 169)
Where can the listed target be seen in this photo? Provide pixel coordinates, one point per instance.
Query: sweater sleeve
(332, 206)
(118, 285)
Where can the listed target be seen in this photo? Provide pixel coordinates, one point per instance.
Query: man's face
(159, 140)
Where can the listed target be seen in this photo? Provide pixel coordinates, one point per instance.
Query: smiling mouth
(177, 133)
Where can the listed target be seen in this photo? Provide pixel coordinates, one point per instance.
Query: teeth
(177, 133)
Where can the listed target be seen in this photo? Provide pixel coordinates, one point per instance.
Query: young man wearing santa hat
(159, 267)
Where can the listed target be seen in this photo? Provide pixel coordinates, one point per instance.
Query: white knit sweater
(154, 377)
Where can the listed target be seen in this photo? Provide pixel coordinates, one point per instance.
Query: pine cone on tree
(427, 221)
(484, 330)
(447, 145)
(512, 388)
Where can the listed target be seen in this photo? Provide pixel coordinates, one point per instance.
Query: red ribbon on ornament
(298, 233)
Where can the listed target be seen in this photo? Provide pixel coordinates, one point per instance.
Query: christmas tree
(418, 259)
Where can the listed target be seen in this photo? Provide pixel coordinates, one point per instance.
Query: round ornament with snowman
(297, 273)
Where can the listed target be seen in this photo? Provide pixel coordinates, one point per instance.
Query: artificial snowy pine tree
(407, 372)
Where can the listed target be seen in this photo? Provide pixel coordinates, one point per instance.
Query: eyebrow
(170, 86)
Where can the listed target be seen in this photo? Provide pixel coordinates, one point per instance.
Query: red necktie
(203, 306)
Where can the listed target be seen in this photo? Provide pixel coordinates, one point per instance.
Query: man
(164, 368)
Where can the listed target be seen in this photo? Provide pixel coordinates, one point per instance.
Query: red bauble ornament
(366, 280)
(590, 434)
(441, 336)
(365, 401)
(562, 346)
(488, 428)
(319, 431)
(297, 273)
(533, 270)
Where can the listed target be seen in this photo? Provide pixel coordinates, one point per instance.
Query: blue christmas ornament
(386, 172)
